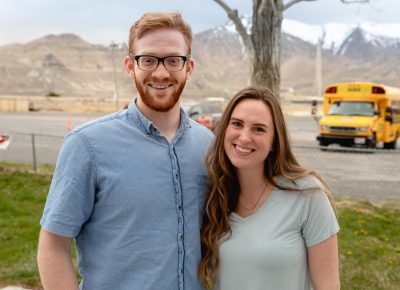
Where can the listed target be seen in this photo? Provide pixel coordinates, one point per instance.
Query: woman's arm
(323, 261)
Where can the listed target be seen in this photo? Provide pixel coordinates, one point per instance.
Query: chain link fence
(366, 174)
(363, 173)
(32, 148)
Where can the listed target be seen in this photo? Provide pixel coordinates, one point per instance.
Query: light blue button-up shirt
(133, 202)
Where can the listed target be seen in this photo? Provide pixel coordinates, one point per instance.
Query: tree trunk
(266, 39)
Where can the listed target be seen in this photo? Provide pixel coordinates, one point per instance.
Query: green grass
(369, 245)
(22, 196)
(42, 169)
(368, 239)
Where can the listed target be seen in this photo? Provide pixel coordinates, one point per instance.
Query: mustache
(152, 79)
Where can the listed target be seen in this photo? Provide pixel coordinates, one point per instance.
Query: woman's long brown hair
(225, 188)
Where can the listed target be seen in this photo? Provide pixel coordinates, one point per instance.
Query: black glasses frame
(160, 60)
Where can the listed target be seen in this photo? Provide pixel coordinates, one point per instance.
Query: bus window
(396, 111)
(351, 109)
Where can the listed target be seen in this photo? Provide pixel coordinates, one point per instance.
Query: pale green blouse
(268, 250)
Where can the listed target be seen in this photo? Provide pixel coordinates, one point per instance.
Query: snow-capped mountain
(334, 35)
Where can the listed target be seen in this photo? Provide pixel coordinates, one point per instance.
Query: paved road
(374, 176)
(49, 130)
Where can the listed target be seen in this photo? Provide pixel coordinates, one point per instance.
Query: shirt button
(179, 208)
(177, 176)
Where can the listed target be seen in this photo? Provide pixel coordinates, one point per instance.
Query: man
(129, 187)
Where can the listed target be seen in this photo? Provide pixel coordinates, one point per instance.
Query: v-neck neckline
(240, 218)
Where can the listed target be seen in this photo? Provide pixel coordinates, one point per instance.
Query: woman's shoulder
(307, 182)
(307, 191)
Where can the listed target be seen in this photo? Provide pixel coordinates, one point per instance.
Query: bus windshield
(351, 109)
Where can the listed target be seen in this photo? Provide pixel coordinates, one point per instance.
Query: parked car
(207, 113)
(4, 141)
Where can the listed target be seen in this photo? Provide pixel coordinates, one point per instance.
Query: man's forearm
(55, 263)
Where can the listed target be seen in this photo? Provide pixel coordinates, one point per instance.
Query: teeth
(241, 149)
(159, 87)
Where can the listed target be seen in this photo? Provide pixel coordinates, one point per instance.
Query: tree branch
(234, 16)
(354, 1)
(292, 2)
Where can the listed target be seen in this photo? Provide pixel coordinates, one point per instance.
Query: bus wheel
(390, 145)
(323, 144)
(372, 142)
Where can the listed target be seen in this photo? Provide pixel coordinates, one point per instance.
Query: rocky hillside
(70, 66)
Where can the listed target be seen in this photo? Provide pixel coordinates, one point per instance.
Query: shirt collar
(147, 126)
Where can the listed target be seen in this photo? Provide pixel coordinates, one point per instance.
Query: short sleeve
(72, 192)
(319, 219)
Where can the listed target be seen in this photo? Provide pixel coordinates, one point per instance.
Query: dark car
(207, 113)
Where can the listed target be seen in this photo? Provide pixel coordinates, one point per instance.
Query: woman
(269, 223)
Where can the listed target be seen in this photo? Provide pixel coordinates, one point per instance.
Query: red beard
(152, 102)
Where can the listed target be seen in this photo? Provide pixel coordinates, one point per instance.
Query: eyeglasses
(150, 62)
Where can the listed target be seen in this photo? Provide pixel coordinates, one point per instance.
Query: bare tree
(263, 44)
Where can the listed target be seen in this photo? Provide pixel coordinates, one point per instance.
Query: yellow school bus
(360, 114)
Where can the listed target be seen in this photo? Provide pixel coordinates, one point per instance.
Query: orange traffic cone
(69, 123)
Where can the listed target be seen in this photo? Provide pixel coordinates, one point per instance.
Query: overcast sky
(104, 21)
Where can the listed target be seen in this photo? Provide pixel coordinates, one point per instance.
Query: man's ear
(190, 67)
(128, 65)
